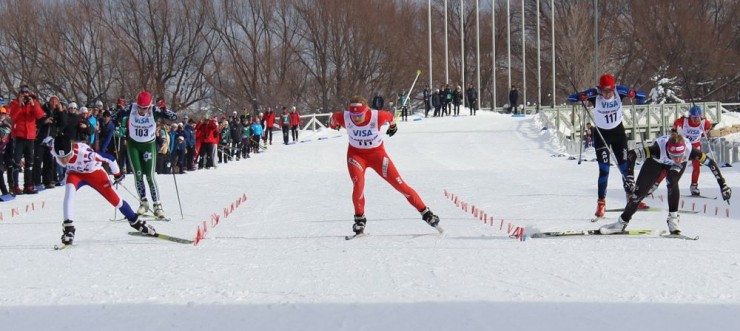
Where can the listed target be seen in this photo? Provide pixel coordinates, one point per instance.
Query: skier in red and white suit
(366, 150)
(693, 128)
(85, 167)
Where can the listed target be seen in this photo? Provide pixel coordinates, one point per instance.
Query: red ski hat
(144, 99)
(676, 149)
(607, 83)
(357, 106)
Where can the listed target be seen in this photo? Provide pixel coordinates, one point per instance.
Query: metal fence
(643, 123)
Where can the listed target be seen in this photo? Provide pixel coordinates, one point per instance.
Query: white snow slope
(279, 261)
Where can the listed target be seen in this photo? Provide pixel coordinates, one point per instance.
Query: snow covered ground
(279, 261)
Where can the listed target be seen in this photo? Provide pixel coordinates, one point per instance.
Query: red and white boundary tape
(703, 208)
(512, 230)
(215, 218)
(16, 211)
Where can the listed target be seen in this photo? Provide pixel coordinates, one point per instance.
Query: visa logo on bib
(362, 133)
(693, 132)
(609, 104)
(141, 120)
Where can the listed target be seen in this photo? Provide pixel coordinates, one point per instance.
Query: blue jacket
(640, 96)
(257, 129)
(106, 134)
(189, 136)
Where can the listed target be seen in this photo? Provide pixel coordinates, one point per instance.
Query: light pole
(493, 53)
(429, 27)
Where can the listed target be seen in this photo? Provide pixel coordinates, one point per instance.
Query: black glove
(629, 183)
(117, 178)
(391, 130)
(726, 191)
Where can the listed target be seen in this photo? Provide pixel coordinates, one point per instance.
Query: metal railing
(643, 123)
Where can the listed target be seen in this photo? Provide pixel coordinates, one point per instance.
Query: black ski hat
(62, 146)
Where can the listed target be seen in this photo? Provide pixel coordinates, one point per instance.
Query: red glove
(583, 96)
(631, 94)
(117, 178)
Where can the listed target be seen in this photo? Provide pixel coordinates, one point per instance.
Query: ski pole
(182, 216)
(418, 72)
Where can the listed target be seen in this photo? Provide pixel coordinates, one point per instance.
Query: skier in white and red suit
(366, 150)
(693, 128)
(85, 167)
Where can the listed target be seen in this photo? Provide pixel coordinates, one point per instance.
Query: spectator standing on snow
(284, 122)
(472, 99)
(25, 110)
(513, 99)
(295, 122)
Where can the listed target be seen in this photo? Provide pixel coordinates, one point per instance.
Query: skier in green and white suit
(141, 126)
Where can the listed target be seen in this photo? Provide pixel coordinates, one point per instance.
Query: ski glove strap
(391, 130)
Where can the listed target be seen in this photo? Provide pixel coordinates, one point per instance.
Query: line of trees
(241, 54)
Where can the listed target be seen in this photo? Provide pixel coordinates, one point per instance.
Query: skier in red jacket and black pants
(24, 112)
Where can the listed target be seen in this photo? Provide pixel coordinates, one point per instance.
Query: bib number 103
(142, 132)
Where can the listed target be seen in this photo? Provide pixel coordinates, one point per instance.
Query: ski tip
(359, 235)
(63, 246)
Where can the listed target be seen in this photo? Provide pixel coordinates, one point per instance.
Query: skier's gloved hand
(582, 96)
(631, 94)
(726, 191)
(117, 178)
(640, 152)
(629, 184)
(48, 142)
(391, 130)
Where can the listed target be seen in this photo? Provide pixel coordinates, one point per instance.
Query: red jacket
(24, 119)
(210, 133)
(269, 120)
(295, 118)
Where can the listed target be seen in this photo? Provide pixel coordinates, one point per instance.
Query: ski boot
(68, 232)
(672, 221)
(695, 189)
(142, 227)
(431, 219)
(143, 207)
(612, 228)
(600, 208)
(359, 226)
(158, 211)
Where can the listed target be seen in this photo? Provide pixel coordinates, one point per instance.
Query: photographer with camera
(45, 171)
(24, 112)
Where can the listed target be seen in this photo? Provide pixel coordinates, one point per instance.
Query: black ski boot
(68, 232)
(359, 226)
(142, 227)
(429, 217)
(432, 220)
